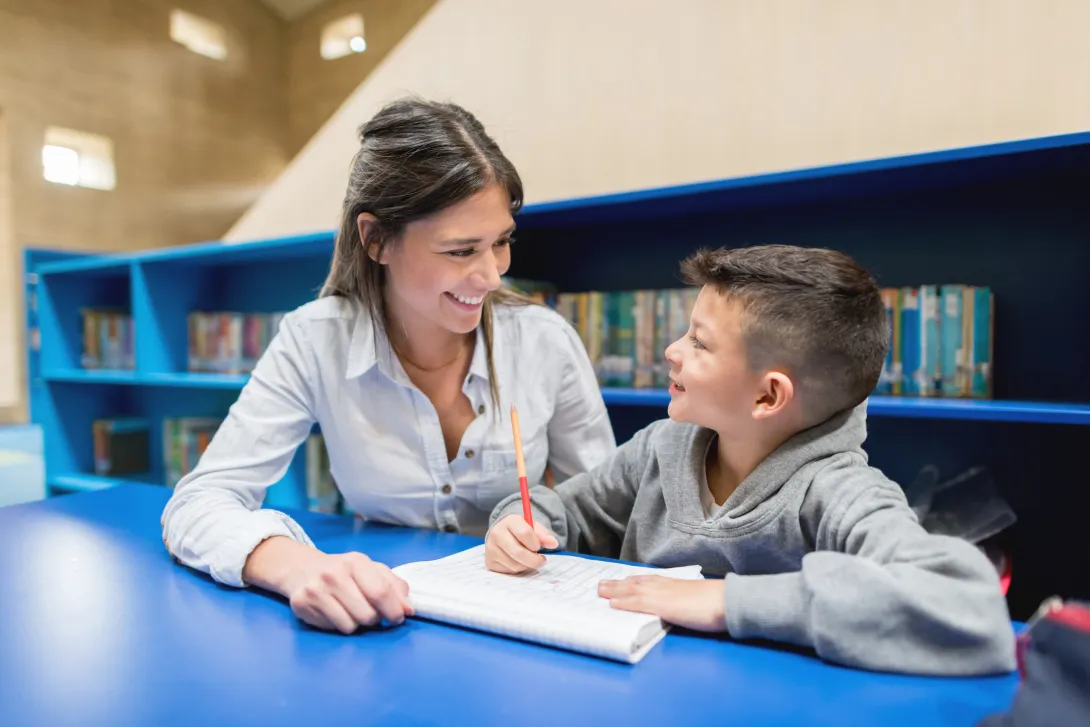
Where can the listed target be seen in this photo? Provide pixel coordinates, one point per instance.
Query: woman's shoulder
(328, 324)
(533, 320)
(329, 308)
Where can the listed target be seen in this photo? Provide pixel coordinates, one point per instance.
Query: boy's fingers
(507, 564)
(514, 549)
(524, 534)
(545, 537)
(501, 562)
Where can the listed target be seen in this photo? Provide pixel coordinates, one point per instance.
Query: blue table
(98, 626)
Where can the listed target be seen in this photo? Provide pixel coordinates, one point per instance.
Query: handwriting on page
(564, 581)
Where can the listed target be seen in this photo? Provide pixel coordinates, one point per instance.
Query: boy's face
(711, 383)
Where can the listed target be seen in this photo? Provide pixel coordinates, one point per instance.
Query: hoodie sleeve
(589, 513)
(878, 592)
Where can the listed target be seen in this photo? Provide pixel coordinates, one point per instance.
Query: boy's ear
(775, 393)
(366, 223)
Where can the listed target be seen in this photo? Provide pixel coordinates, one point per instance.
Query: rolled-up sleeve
(580, 433)
(214, 519)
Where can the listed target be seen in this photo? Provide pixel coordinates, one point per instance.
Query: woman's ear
(367, 224)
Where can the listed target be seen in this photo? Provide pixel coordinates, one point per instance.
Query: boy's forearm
(893, 618)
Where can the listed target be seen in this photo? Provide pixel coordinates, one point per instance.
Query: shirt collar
(369, 347)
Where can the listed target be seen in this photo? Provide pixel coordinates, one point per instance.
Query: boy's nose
(672, 354)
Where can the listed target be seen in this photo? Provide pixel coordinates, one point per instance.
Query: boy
(759, 473)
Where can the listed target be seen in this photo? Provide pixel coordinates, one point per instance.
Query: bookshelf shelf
(883, 406)
(91, 376)
(90, 483)
(132, 378)
(1011, 216)
(917, 408)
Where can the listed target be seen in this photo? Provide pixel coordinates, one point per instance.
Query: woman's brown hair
(416, 158)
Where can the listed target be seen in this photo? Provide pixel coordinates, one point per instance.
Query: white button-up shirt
(329, 364)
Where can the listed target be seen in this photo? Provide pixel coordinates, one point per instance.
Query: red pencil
(524, 486)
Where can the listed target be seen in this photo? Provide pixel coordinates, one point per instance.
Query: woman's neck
(420, 344)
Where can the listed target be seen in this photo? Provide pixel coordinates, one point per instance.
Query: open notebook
(557, 605)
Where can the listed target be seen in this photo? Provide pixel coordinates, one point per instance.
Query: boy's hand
(692, 604)
(512, 545)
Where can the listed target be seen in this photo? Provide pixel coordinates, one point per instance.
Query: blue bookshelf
(1011, 216)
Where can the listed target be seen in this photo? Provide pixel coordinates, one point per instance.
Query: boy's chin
(678, 414)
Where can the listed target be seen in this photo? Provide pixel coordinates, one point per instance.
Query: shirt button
(469, 454)
(450, 528)
(480, 409)
(446, 489)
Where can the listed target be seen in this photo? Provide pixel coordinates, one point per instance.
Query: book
(120, 446)
(557, 605)
(982, 346)
(911, 346)
(953, 340)
(322, 492)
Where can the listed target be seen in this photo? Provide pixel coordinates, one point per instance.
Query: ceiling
(292, 9)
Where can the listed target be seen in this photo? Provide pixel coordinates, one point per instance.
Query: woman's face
(442, 267)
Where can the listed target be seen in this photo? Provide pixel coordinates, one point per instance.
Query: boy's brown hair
(812, 310)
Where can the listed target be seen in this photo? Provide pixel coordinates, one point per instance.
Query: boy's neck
(734, 459)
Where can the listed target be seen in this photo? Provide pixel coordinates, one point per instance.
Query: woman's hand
(334, 592)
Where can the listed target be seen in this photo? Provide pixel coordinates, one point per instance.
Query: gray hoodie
(818, 548)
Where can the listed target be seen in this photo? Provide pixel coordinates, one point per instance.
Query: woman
(409, 361)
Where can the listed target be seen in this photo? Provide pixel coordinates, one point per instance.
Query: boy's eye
(696, 342)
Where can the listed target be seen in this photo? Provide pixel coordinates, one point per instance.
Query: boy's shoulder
(845, 482)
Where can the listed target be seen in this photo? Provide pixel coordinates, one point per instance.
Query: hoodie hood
(760, 495)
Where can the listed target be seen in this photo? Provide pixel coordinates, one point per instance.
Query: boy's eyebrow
(454, 242)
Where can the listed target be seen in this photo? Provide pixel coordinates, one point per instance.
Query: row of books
(122, 445)
(942, 341)
(108, 341)
(229, 342)
(625, 332)
(940, 335)
(122, 448)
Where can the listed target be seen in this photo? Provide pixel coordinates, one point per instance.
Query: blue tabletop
(99, 626)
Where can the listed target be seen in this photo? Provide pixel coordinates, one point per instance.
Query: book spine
(910, 341)
(952, 332)
(662, 339)
(889, 382)
(930, 372)
(968, 319)
(984, 311)
(91, 351)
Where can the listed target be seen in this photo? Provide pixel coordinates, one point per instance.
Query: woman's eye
(462, 253)
(503, 242)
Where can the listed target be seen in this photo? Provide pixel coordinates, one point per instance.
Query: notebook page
(556, 604)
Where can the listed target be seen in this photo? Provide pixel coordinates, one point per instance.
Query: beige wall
(316, 87)
(195, 140)
(610, 95)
